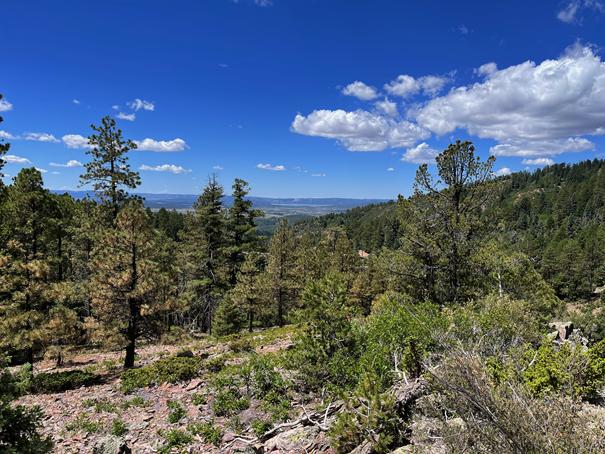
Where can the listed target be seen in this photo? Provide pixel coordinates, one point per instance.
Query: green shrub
(227, 398)
(82, 423)
(199, 399)
(174, 439)
(264, 377)
(117, 427)
(260, 427)
(169, 370)
(207, 431)
(105, 406)
(177, 412)
(62, 381)
(276, 405)
(136, 401)
(215, 364)
(241, 345)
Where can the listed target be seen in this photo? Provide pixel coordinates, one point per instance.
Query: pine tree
(126, 283)
(281, 270)
(241, 228)
(109, 171)
(4, 147)
(203, 254)
(25, 264)
(249, 294)
(227, 318)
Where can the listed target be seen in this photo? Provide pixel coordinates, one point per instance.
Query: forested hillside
(169, 333)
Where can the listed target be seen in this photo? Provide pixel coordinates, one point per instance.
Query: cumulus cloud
(269, 167)
(7, 135)
(360, 90)
(161, 146)
(123, 116)
(75, 101)
(503, 171)
(5, 106)
(387, 107)
(218, 168)
(166, 168)
(406, 86)
(72, 163)
(318, 175)
(137, 104)
(41, 137)
(41, 170)
(75, 141)
(554, 100)
(116, 107)
(12, 159)
(390, 169)
(542, 147)
(538, 162)
(421, 154)
(359, 130)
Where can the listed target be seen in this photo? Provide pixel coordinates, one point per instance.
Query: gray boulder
(111, 445)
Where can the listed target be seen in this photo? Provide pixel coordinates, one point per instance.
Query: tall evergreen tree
(126, 283)
(241, 228)
(109, 171)
(249, 293)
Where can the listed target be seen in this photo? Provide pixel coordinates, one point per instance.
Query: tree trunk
(130, 350)
(250, 316)
(29, 354)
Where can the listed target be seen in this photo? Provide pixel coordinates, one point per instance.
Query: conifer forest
(466, 318)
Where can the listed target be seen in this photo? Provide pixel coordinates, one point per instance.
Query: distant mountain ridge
(185, 201)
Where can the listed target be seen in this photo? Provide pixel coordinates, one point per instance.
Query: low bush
(260, 427)
(208, 431)
(62, 381)
(241, 345)
(174, 439)
(169, 370)
(215, 364)
(82, 423)
(118, 427)
(176, 412)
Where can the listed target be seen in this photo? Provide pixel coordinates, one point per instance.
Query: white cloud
(570, 12)
(5, 106)
(463, 30)
(386, 106)
(161, 146)
(390, 169)
(116, 107)
(421, 154)
(240, 126)
(7, 135)
(359, 130)
(166, 168)
(318, 175)
(406, 86)
(503, 171)
(12, 159)
(218, 168)
(268, 167)
(41, 137)
(360, 90)
(72, 163)
(262, 2)
(403, 86)
(75, 141)
(555, 100)
(56, 173)
(123, 116)
(295, 167)
(41, 170)
(223, 65)
(137, 104)
(75, 101)
(542, 147)
(538, 162)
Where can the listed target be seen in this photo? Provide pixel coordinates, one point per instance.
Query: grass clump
(260, 427)
(118, 427)
(62, 381)
(169, 370)
(208, 431)
(136, 401)
(82, 423)
(174, 439)
(176, 412)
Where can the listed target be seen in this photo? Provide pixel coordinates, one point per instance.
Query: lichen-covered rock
(111, 445)
(299, 439)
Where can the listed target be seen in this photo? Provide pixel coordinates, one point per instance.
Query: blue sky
(335, 93)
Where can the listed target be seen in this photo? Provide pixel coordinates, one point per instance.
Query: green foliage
(277, 405)
(137, 401)
(62, 381)
(264, 377)
(19, 425)
(208, 431)
(105, 406)
(260, 427)
(82, 423)
(227, 319)
(199, 399)
(369, 415)
(118, 427)
(227, 397)
(215, 364)
(170, 370)
(241, 345)
(174, 439)
(176, 412)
